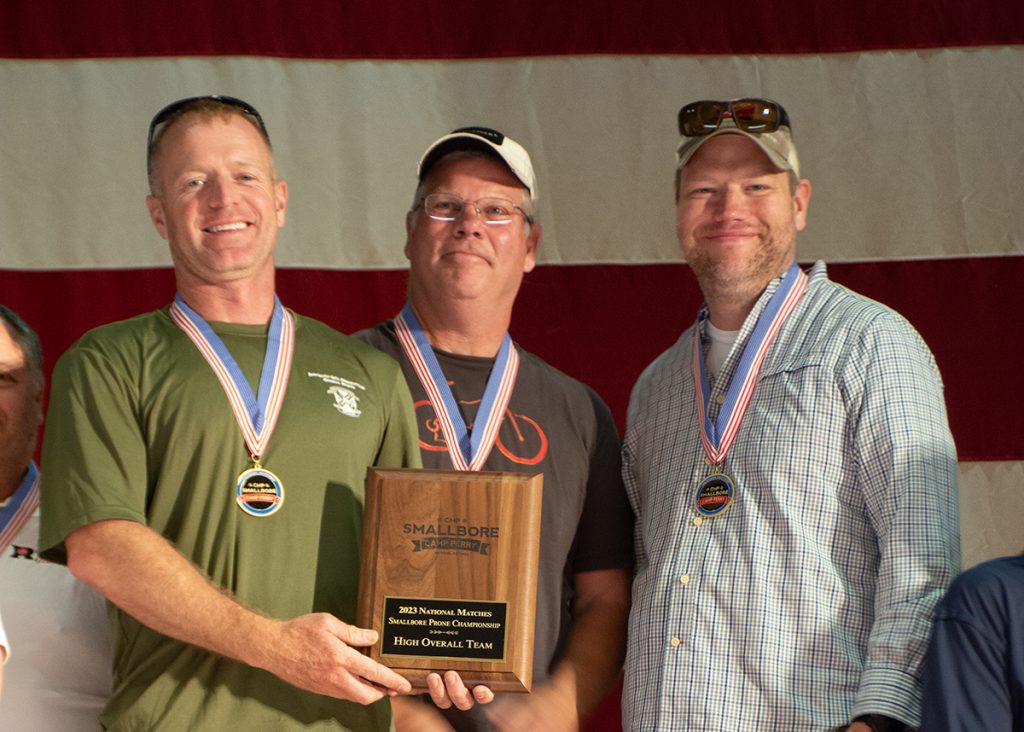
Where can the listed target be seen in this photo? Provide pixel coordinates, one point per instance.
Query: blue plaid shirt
(809, 601)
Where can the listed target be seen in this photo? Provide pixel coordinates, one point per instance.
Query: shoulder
(312, 333)
(998, 581)
(836, 323)
(125, 341)
(537, 370)
(135, 329)
(833, 306)
(381, 336)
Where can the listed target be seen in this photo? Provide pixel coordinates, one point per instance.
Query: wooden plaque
(448, 574)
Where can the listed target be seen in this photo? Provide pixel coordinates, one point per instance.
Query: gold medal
(713, 495)
(258, 491)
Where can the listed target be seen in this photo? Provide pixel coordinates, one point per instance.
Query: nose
(729, 204)
(218, 192)
(469, 221)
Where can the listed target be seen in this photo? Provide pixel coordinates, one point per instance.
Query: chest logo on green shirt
(344, 391)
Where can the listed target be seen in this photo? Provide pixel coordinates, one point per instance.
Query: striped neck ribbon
(471, 449)
(256, 414)
(19, 507)
(717, 437)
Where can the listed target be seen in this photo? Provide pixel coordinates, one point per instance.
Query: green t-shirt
(139, 428)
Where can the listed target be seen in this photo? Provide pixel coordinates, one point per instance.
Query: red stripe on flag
(411, 29)
(604, 323)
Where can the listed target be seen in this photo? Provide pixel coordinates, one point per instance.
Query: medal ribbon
(469, 451)
(717, 438)
(256, 414)
(20, 507)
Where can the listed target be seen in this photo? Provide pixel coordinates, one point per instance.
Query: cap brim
(778, 146)
(509, 152)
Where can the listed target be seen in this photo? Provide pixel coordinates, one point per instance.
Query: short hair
(28, 341)
(529, 205)
(205, 108)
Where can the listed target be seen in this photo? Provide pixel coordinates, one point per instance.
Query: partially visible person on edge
(199, 471)
(791, 466)
(974, 670)
(59, 678)
(471, 236)
(5, 653)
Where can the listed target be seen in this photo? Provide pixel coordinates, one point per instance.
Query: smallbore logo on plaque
(452, 534)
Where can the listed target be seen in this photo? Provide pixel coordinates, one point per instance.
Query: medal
(468, 452)
(715, 493)
(258, 491)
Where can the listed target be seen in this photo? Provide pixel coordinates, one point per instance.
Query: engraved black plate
(465, 629)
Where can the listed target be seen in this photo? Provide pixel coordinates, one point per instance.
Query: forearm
(144, 575)
(147, 577)
(412, 715)
(596, 646)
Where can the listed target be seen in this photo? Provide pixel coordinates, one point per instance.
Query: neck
(731, 300)
(460, 327)
(730, 313)
(245, 301)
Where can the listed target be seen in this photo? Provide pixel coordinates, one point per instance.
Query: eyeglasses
(758, 116)
(175, 109)
(448, 207)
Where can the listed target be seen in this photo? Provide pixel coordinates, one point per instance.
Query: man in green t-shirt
(204, 463)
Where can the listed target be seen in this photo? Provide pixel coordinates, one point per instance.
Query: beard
(733, 276)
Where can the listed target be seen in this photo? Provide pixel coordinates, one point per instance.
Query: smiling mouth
(220, 228)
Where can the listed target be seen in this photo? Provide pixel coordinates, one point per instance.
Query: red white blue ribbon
(718, 437)
(467, 451)
(20, 507)
(256, 414)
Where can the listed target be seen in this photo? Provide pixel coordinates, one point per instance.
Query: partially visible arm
(3, 656)
(412, 715)
(143, 574)
(973, 677)
(589, 666)
(907, 477)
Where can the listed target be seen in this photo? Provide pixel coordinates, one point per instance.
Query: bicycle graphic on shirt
(531, 439)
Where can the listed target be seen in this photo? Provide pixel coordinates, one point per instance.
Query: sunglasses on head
(174, 109)
(749, 115)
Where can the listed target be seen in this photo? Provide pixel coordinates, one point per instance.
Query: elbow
(88, 554)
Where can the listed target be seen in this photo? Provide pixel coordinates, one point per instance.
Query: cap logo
(485, 132)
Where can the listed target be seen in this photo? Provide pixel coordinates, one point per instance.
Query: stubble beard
(720, 281)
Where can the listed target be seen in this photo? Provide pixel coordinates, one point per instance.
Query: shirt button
(684, 579)
(697, 521)
(675, 642)
(720, 399)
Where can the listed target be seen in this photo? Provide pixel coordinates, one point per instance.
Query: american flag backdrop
(909, 118)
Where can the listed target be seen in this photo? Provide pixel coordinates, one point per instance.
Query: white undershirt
(721, 342)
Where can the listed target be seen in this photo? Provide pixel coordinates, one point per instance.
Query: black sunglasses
(175, 109)
(750, 115)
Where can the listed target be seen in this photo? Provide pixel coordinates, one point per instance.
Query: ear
(801, 200)
(280, 201)
(410, 225)
(532, 242)
(156, 215)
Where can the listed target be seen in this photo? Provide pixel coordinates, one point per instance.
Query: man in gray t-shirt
(471, 238)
